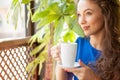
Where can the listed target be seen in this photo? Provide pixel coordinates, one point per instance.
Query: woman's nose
(81, 20)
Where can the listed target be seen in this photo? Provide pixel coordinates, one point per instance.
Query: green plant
(56, 20)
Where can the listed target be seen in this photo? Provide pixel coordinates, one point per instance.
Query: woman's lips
(85, 28)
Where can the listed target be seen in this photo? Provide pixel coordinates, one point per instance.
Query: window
(8, 30)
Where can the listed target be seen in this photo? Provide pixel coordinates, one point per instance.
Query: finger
(81, 63)
(55, 50)
(71, 69)
(78, 74)
(59, 44)
(57, 59)
(54, 54)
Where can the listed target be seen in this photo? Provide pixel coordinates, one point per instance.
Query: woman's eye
(78, 15)
(88, 13)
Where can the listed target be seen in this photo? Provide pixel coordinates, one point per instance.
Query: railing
(14, 57)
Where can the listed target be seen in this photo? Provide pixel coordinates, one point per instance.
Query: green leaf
(47, 37)
(43, 4)
(37, 49)
(69, 37)
(40, 67)
(14, 13)
(29, 66)
(73, 25)
(69, 1)
(55, 9)
(58, 30)
(14, 2)
(50, 18)
(28, 16)
(34, 38)
(33, 69)
(71, 9)
(52, 9)
(43, 54)
(38, 15)
(42, 57)
(53, 1)
(77, 29)
(25, 1)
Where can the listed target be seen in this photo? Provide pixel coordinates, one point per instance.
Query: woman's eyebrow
(88, 9)
(85, 10)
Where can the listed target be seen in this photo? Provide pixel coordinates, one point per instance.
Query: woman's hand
(59, 72)
(83, 73)
(55, 53)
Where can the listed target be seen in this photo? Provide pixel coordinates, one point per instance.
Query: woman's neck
(96, 40)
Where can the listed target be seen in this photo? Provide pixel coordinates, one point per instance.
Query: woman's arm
(60, 73)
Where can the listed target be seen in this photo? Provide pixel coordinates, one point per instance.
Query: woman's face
(90, 17)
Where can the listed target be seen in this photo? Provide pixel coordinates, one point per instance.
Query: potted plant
(55, 20)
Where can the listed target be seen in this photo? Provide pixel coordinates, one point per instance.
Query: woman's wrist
(97, 78)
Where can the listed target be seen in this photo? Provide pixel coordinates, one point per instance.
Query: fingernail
(65, 70)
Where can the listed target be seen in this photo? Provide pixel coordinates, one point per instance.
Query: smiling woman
(90, 17)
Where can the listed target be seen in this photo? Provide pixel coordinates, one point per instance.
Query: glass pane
(8, 30)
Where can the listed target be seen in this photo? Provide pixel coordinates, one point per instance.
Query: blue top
(86, 53)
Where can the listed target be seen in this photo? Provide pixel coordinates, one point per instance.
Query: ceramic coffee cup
(68, 54)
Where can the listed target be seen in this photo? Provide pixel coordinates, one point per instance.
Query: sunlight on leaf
(47, 19)
(38, 15)
(14, 13)
(40, 67)
(34, 68)
(73, 25)
(69, 1)
(25, 1)
(69, 37)
(58, 30)
(29, 66)
(71, 9)
(37, 49)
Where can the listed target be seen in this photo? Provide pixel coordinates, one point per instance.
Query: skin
(83, 73)
(91, 21)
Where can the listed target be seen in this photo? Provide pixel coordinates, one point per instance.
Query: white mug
(68, 54)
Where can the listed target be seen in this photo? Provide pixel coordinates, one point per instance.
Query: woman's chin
(86, 34)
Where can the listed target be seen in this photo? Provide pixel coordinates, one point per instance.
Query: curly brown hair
(108, 66)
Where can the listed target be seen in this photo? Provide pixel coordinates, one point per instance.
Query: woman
(99, 51)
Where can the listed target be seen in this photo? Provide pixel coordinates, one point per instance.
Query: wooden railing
(14, 57)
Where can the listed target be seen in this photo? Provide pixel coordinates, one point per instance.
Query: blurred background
(8, 30)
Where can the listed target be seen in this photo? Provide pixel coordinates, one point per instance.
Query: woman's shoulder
(81, 39)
